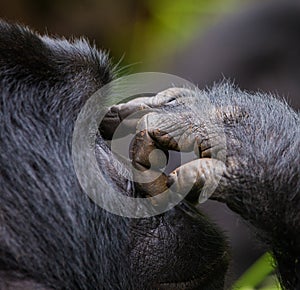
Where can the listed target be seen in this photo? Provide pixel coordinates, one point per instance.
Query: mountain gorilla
(54, 237)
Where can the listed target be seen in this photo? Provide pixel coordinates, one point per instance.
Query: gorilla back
(52, 235)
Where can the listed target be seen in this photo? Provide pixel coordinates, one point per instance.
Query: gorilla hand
(174, 120)
(256, 172)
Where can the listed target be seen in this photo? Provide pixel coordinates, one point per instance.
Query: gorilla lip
(217, 269)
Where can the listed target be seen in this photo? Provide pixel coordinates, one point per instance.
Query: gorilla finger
(145, 152)
(199, 178)
(126, 114)
(129, 113)
(168, 131)
(147, 160)
(150, 182)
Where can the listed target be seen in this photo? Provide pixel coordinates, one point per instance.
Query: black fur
(262, 177)
(52, 235)
(262, 182)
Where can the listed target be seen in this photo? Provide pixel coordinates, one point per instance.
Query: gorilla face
(52, 235)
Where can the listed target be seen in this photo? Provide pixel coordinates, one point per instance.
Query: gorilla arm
(259, 177)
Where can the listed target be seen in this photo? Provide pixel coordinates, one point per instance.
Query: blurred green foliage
(172, 25)
(144, 31)
(259, 276)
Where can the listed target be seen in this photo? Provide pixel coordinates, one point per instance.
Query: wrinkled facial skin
(52, 235)
(260, 176)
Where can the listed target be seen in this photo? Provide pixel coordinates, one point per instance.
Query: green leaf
(256, 274)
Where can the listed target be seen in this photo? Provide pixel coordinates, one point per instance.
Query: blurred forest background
(141, 31)
(254, 43)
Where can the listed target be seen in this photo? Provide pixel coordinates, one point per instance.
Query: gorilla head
(52, 235)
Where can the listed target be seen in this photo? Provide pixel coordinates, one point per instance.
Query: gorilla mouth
(205, 281)
(158, 126)
(192, 284)
(188, 285)
(211, 275)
